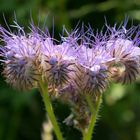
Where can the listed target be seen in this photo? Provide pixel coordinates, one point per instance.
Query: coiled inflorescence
(58, 63)
(20, 57)
(126, 53)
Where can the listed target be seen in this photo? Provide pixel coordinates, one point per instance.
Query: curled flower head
(58, 62)
(126, 53)
(19, 56)
(91, 74)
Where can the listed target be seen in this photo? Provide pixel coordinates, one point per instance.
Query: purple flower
(123, 47)
(58, 62)
(19, 55)
(91, 75)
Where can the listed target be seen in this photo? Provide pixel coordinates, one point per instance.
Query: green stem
(87, 135)
(49, 109)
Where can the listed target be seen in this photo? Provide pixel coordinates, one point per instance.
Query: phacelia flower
(58, 62)
(91, 74)
(79, 66)
(20, 57)
(126, 53)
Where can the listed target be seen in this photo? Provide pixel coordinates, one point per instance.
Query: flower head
(123, 47)
(91, 74)
(20, 55)
(58, 62)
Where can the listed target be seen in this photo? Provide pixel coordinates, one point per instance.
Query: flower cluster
(82, 64)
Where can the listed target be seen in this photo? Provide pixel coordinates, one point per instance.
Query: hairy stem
(49, 109)
(94, 108)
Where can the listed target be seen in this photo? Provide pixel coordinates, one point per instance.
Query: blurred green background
(22, 114)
